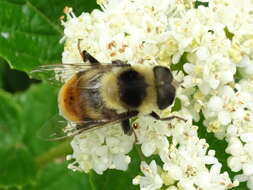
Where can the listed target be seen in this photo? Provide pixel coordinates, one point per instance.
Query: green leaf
(54, 9)
(200, 3)
(13, 80)
(57, 176)
(38, 104)
(21, 116)
(27, 37)
(30, 30)
(3, 69)
(10, 131)
(17, 168)
(180, 65)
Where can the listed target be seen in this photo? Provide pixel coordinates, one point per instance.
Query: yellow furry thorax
(111, 95)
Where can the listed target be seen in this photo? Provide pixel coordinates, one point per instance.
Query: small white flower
(151, 180)
(152, 135)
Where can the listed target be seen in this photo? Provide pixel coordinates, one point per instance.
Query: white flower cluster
(185, 158)
(101, 149)
(219, 48)
(212, 48)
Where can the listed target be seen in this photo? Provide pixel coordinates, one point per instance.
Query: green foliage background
(29, 36)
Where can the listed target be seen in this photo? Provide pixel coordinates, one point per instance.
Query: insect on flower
(99, 94)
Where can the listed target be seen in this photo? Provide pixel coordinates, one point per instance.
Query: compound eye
(165, 96)
(163, 75)
(164, 89)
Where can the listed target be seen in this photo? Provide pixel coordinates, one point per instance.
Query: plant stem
(141, 156)
(55, 152)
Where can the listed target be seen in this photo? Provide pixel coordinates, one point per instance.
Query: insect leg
(128, 130)
(125, 124)
(86, 56)
(154, 115)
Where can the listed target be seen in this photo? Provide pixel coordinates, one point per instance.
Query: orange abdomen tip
(69, 100)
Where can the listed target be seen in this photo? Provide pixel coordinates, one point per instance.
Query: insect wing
(55, 129)
(58, 128)
(91, 124)
(58, 74)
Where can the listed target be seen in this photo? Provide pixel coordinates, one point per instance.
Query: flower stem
(58, 151)
(138, 150)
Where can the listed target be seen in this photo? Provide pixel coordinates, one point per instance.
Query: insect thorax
(132, 88)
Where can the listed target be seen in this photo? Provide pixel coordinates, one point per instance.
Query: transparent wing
(57, 128)
(54, 129)
(59, 73)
